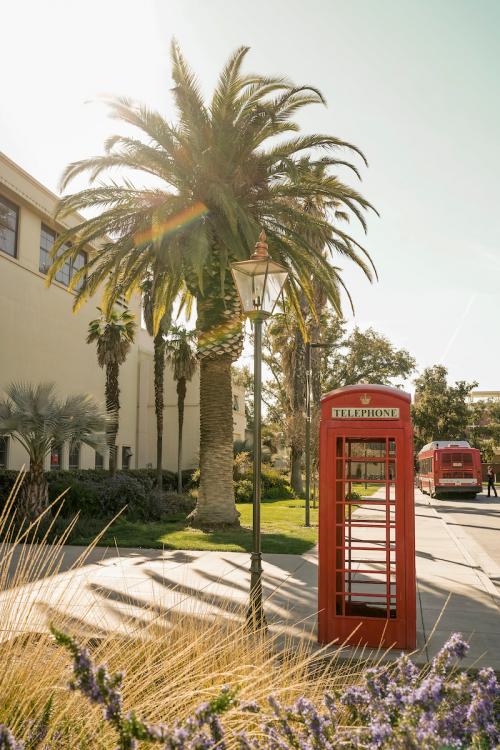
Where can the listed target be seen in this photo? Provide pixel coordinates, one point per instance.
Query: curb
(468, 548)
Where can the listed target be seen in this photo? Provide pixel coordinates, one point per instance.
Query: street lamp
(259, 282)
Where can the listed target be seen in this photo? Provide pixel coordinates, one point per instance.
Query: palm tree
(221, 172)
(114, 334)
(32, 415)
(158, 333)
(182, 358)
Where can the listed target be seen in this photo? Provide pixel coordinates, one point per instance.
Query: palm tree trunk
(220, 342)
(216, 506)
(181, 397)
(159, 371)
(34, 493)
(112, 393)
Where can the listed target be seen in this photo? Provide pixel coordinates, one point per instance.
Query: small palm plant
(181, 355)
(32, 415)
(158, 332)
(114, 334)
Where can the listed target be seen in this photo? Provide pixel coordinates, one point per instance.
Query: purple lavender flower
(8, 741)
(454, 648)
(483, 712)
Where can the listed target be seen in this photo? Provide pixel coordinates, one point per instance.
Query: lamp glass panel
(273, 288)
(259, 284)
(243, 283)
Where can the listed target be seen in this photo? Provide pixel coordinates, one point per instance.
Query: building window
(4, 452)
(70, 267)
(9, 220)
(236, 403)
(126, 456)
(99, 460)
(79, 262)
(74, 456)
(56, 458)
(47, 238)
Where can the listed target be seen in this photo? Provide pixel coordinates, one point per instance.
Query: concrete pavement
(476, 523)
(120, 590)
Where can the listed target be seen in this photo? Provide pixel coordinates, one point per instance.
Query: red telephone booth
(367, 542)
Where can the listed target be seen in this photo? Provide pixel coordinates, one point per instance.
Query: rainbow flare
(172, 224)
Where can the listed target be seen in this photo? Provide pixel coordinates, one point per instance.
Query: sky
(414, 84)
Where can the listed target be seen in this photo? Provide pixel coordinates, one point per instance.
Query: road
(477, 524)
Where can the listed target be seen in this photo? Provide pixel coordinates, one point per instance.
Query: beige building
(484, 396)
(41, 339)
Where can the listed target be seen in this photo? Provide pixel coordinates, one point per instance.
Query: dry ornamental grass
(172, 660)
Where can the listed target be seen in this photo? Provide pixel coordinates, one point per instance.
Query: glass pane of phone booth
(365, 527)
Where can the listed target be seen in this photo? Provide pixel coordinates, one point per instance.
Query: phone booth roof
(365, 402)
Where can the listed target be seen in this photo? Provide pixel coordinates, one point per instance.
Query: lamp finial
(261, 246)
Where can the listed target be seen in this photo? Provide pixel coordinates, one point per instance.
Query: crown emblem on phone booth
(365, 399)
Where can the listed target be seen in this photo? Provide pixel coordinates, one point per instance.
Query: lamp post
(309, 346)
(259, 282)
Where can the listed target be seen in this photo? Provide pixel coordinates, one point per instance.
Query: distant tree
(114, 335)
(441, 411)
(158, 333)
(365, 357)
(344, 359)
(32, 415)
(243, 377)
(483, 430)
(181, 355)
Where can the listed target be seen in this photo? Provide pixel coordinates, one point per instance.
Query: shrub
(273, 478)
(280, 493)
(94, 493)
(243, 491)
(242, 465)
(159, 505)
(79, 496)
(274, 486)
(7, 479)
(353, 496)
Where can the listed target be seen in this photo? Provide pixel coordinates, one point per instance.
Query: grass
(283, 530)
(282, 526)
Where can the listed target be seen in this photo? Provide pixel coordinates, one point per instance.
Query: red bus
(446, 467)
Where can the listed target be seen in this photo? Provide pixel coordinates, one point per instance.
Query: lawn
(282, 525)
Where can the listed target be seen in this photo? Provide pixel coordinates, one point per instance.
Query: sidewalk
(114, 588)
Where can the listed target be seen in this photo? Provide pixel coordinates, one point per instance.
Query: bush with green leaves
(243, 491)
(353, 495)
(274, 486)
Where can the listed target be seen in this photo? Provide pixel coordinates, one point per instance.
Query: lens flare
(172, 224)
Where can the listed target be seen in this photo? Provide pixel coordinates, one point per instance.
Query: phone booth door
(367, 584)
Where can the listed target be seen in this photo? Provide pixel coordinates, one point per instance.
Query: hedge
(274, 486)
(93, 492)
